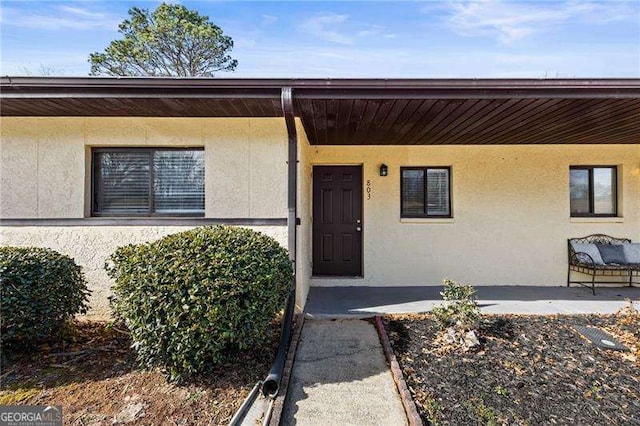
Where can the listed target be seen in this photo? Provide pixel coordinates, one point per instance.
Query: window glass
(129, 182)
(593, 190)
(579, 189)
(604, 191)
(438, 192)
(123, 182)
(412, 192)
(426, 192)
(178, 182)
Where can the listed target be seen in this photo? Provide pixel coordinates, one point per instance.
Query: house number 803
(368, 189)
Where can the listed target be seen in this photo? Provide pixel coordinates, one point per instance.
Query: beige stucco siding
(510, 220)
(91, 246)
(304, 253)
(46, 167)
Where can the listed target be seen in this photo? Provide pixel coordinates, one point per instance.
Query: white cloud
(372, 29)
(60, 17)
(510, 21)
(341, 30)
(268, 19)
(325, 27)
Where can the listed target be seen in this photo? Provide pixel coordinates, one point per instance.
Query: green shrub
(460, 308)
(41, 290)
(193, 299)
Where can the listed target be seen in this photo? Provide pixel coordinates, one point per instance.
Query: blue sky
(488, 38)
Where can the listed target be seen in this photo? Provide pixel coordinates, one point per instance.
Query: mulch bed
(92, 373)
(529, 370)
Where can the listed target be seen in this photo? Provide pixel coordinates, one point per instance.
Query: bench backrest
(596, 239)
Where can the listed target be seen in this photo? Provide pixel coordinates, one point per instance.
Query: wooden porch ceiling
(470, 121)
(361, 112)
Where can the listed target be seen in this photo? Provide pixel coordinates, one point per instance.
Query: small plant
(433, 409)
(501, 390)
(594, 389)
(486, 415)
(460, 308)
(41, 290)
(195, 299)
(459, 316)
(194, 396)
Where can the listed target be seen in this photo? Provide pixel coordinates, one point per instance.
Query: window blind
(412, 192)
(178, 182)
(123, 182)
(148, 181)
(438, 192)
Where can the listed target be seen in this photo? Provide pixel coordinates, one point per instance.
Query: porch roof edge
(308, 87)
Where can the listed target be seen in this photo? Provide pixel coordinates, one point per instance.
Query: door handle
(358, 228)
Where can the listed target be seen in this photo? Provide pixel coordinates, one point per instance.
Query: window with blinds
(425, 192)
(147, 182)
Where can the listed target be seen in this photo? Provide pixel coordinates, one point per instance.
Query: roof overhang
(360, 111)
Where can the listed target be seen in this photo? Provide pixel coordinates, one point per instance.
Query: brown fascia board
(157, 87)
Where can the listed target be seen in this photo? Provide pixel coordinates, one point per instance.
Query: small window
(425, 192)
(593, 191)
(148, 182)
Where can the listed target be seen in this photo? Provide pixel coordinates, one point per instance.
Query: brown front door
(337, 220)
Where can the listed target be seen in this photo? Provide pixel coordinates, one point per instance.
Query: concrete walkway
(340, 377)
(354, 302)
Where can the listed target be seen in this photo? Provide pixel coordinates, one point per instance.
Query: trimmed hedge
(41, 290)
(192, 300)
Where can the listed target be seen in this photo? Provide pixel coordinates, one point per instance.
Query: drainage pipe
(271, 384)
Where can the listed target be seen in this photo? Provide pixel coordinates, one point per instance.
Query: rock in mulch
(528, 370)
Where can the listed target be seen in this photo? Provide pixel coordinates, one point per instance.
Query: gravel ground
(529, 370)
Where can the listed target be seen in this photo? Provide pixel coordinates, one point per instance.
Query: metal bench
(584, 263)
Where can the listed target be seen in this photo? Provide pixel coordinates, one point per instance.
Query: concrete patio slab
(362, 302)
(340, 377)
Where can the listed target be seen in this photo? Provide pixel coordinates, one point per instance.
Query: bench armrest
(582, 258)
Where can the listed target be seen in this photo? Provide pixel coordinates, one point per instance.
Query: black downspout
(289, 118)
(271, 384)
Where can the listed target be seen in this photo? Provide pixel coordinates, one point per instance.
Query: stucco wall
(305, 214)
(90, 246)
(45, 166)
(510, 206)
